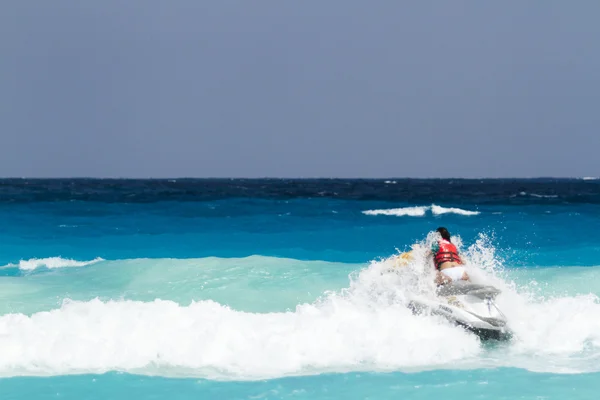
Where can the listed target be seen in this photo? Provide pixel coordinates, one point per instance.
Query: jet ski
(468, 305)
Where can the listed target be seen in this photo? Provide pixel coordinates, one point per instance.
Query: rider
(446, 260)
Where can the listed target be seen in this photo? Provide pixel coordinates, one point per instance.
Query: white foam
(363, 327)
(589, 178)
(206, 339)
(420, 211)
(51, 262)
(539, 196)
(399, 212)
(366, 326)
(437, 210)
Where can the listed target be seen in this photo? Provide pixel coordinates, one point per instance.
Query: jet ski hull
(500, 334)
(467, 305)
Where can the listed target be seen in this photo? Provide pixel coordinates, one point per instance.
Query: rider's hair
(444, 232)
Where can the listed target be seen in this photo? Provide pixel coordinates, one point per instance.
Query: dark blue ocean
(270, 289)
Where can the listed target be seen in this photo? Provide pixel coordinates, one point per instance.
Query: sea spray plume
(417, 273)
(485, 266)
(482, 255)
(389, 279)
(406, 277)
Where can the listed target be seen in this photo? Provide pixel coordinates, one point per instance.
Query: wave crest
(399, 212)
(420, 211)
(51, 263)
(437, 210)
(210, 340)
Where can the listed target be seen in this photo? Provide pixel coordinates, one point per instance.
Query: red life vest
(447, 252)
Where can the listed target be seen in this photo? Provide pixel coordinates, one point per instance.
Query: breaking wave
(51, 263)
(420, 211)
(365, 326)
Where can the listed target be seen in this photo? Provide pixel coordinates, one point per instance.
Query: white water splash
(364, 327)
(50, 263)
(437, 210)
(420, 211)
(399, 212)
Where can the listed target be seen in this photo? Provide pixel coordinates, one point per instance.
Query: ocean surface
(281, 289)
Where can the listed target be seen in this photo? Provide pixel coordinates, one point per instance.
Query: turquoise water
(448, 384)
(278, 289)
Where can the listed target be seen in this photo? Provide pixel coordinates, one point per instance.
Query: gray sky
(146, 88)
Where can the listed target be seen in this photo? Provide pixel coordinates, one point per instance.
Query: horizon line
(297, 178)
